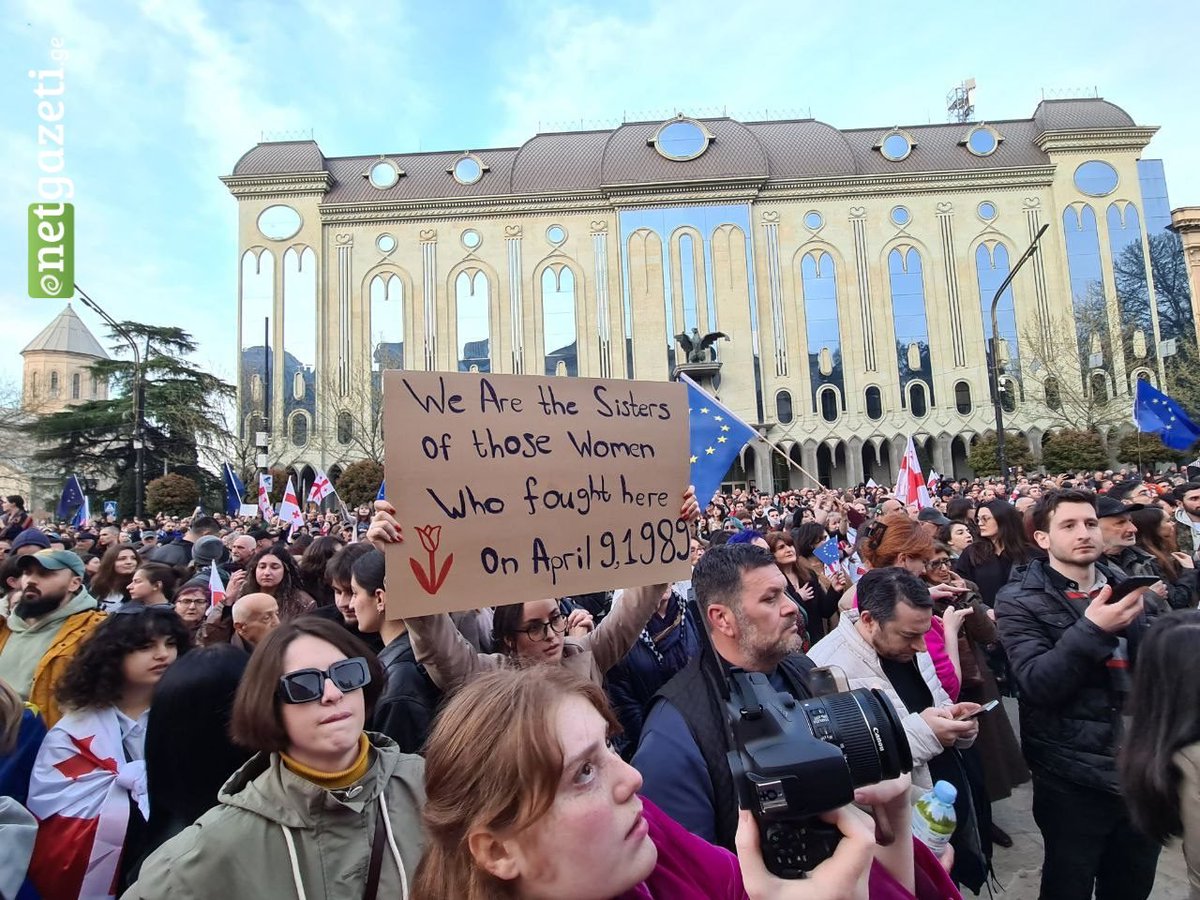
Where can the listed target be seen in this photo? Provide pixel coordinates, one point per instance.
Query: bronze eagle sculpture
(696, 347)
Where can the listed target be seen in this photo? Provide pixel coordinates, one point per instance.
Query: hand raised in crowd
(1114, 617)
(233, 589)
(946, 591)
(844, 876)
(947, 729)
(579, 623)
(952, 619)
(1184, 560)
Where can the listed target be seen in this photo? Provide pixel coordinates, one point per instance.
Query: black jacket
(1181, 593)
(406, 707)
(1070, 701)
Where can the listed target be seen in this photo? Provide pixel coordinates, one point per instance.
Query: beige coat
(451, 661)
(1188, 762)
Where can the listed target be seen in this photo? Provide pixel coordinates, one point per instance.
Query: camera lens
(864, 724)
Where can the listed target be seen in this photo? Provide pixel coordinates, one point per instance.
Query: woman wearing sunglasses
(88, 787)
(323, 810)
(529, 633)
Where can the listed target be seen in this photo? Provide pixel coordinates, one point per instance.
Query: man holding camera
(753, 626)
(1071, 645)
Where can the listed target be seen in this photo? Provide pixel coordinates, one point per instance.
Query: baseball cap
(30, 537)
(53, 560)
(1107, 506)
(929, 514)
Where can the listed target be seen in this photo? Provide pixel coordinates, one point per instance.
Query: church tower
(56, 366)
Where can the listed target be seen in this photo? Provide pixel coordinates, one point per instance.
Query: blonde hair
(11, 712)
(494, 762)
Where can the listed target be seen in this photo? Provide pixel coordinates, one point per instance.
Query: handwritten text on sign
(518, 487)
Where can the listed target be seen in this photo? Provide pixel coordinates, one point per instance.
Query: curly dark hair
(95, 677)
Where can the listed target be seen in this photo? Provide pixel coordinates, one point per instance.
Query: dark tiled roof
(595, 160)
(1062, 115)
(280, 157)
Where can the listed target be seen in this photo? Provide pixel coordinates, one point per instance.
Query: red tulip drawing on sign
(431, 581)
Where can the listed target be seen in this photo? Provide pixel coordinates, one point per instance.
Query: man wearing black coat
(1071, 651)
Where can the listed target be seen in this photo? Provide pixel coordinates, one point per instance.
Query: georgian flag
(216, 587)
(289, 509)
(80, 792)
(910, 485)
(264, 496)
(933, 481)
(321, 488)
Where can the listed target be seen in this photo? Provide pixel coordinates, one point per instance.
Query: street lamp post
(139, 445)
(994, 368)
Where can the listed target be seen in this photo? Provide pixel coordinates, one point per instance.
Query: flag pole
(791, 462)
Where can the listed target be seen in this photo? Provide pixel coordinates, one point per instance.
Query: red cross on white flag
(321, 488)
(910, 484)
(289, 509)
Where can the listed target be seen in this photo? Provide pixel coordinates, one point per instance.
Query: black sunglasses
(307, 685)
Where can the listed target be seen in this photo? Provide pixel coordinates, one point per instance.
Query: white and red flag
(910, 484)
(321, 488)
(289, 509)
(264, 496)
(933, 481)
(80, 792)
(216, 586)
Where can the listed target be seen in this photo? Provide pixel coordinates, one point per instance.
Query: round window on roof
(1096, 178)
(471, 239)
(987, 210)
(900, 216)
(556, 234)
(468, 170)
(896, 146)
(681, 139)
(279, 222)
(383, 174)
(386, 243)
(982, 141)
(813, 220)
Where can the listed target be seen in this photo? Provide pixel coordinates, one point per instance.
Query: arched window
(828, 400)
(76, 385)
(34, 385)
(783, 407)
(299, 429)
(95, 386)
(874, 404)
(558, 321)
(345, 428)
(991, 268)
(918, 403)
(687, 275)
(818, 279)
(908, 310)
(1008, 394)
(299, 329)
(257, 312)
(1099, 387)
(387, 322)
(298, 385)
(1129, 274)
(472, 297)
(1087, 286)
(54, 385)
(1053, 397)
(962, 397)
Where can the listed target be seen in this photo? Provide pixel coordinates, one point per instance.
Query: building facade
(852, 272)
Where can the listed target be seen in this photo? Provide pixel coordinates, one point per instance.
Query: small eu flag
(379, 494)
(71, 499)
(716, 438)
(1155, 412)
(235, 491)
(827, 552)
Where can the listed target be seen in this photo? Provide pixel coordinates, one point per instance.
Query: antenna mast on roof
(960, 102)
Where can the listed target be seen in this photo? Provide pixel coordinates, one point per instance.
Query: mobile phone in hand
(1123, 589)
(987, 707)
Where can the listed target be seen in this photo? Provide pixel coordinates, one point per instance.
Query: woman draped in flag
(88, 788)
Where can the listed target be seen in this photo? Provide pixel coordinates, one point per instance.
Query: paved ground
(1019, 868)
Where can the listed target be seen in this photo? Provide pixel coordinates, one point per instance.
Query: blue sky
(163, 96)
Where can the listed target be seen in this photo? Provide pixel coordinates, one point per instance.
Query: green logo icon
(51, 250)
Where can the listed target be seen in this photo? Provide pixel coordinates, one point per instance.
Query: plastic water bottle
(933, 817)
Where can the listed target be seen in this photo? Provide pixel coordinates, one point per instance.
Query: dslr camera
(795, 759)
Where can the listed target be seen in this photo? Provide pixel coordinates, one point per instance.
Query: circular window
(471, 239)
(383, 174)
(813, 220)
(896, 146)
(1096, 178)
(556, 234)
(987, 210)
(982, 141)
(681, 139)
(900, 216)
(386, 243)
(468, 170)
(278, 223)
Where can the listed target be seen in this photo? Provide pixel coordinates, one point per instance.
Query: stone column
(808, 459)
(1185, 221)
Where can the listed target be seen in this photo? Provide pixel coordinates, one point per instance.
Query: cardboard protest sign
(518, 487)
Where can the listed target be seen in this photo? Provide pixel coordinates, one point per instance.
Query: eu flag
(71, 499)
(379, 493)
(716, 438)
(1155, 412)
(827, 552)
(235, 490)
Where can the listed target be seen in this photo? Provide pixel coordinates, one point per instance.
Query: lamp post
(994, 368)
(139, 445)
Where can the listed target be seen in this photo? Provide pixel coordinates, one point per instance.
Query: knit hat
(209, 549)
(30, 537)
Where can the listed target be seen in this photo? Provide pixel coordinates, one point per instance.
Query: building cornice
(429, 209)
(288, 184)
(915, 183)
(1185, 219)
(1095, 139)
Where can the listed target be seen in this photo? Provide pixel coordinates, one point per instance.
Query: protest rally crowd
(218, 706)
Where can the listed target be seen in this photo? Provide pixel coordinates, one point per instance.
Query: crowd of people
(285, 737)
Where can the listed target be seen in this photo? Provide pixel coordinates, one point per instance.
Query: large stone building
(852, 271)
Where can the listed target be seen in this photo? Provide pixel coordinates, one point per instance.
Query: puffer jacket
(1070, 703)
(1181, 593)
(275, 834)
(846, 648)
